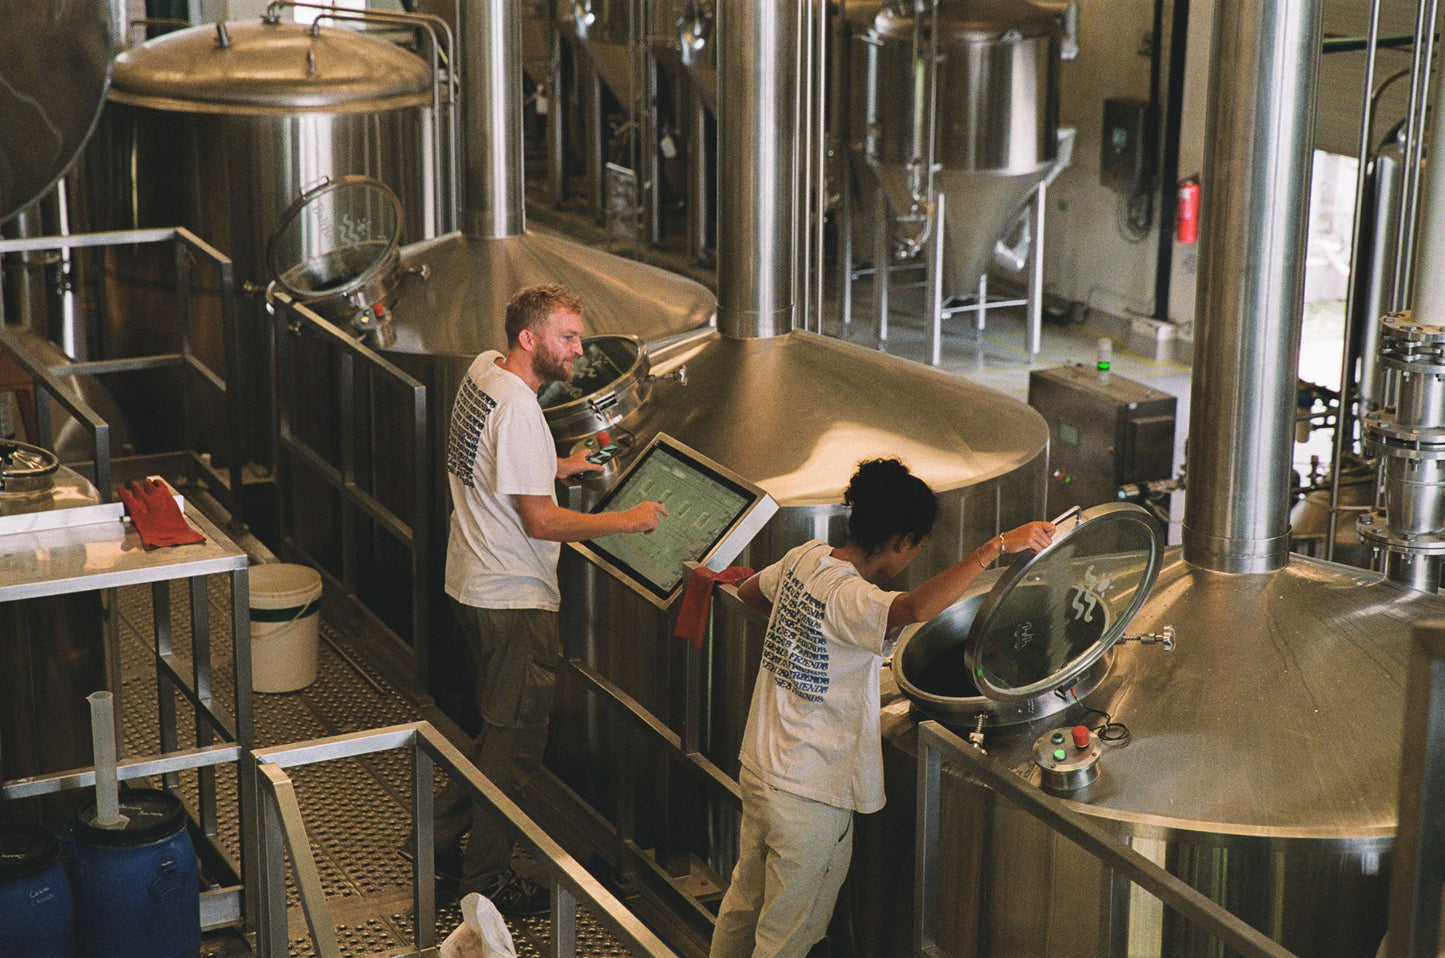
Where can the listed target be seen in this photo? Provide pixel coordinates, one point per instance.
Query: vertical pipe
(699, 192)
(1426, 13)
(757, 153)
(1427, 302)
(1344, 419)
(492, 118)
(1251, 283)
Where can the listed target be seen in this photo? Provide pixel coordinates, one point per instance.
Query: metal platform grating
(355, 810)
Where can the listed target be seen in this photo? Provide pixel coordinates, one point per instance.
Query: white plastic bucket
(285, 624)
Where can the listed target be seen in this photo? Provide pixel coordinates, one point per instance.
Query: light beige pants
(793, 855)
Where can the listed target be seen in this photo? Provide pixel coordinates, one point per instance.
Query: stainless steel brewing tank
(1262, 767)
(993, 115)
(220, 132)
(793, 414)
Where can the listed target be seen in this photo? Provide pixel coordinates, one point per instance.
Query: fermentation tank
(219, 128)
(961, 99)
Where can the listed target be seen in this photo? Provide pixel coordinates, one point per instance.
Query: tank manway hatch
(1054, 614)
(1043, 626)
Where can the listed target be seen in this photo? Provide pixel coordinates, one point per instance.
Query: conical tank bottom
(980, 206)
(459, 309)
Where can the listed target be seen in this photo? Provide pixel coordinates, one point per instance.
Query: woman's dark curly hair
(886, 500)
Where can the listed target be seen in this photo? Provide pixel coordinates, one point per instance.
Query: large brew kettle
(1043, 625)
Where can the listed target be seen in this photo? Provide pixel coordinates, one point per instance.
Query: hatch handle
(678, 375)
(1164, 636)
(1068, 513)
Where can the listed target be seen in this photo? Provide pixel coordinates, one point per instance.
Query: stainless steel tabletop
(107, 554)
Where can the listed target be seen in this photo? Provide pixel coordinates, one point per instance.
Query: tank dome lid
(982, 21)
(1053, 614)
(269, 67)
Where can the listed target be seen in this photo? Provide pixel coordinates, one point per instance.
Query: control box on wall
(1105, 431)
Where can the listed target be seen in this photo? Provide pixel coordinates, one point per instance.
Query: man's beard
(552, 367)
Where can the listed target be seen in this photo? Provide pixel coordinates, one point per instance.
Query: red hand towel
(697, 601)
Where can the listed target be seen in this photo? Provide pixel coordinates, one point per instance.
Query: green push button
(1057, 738)
(1060, 755)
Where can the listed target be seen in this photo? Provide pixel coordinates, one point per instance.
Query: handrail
(935, 742)
(411, 531)
(570, 882)
(186, 243)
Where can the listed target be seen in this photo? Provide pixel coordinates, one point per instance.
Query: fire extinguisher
(1186, 221)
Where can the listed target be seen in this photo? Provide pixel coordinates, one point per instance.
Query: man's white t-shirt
(813, 725)
(498, 446)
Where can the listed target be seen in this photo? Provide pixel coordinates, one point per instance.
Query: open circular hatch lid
(336, 238)
(1051, 615)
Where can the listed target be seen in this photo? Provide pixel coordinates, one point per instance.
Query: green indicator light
(1103, 367)
(1060, 755)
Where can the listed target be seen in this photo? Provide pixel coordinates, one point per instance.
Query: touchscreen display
(703, 504)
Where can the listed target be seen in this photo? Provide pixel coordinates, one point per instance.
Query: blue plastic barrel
(137, 888)
(36, 913)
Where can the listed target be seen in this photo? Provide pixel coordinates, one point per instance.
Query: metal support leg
(165, 687)
(201, 677)
(1036, 274)
(423, 817)
(881, 256)
(845, 242)
(303, 864)
(935, 286)
(247, 784)
(272, 937)
(980, 317)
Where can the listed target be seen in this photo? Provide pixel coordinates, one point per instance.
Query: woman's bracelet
(982, 564)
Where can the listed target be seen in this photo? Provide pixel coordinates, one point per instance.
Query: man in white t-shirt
(501, 571)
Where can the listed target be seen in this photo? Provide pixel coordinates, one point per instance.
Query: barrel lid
(26, 849)
(982, 21)
(152, 814)
(1052, 614)
(269, 67)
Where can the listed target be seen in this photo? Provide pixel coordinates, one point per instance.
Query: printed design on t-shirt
(469, 416)
(794, 650)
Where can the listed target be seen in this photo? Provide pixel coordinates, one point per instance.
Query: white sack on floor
(483, 933)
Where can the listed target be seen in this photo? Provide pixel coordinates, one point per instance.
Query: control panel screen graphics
(708, 508)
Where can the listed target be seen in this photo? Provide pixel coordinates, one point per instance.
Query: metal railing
(282, 825)
(228, 484)
(936, 744)
(358, 447)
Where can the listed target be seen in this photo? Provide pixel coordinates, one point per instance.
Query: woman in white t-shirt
(811, 753)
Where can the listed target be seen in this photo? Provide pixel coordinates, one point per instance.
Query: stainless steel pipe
(757, 133)
(1251, 283)
(492, 202)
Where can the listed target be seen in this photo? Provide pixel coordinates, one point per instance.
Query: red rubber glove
(156, 516)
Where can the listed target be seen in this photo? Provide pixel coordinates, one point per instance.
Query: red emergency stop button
(603, 438)
(1081, 736)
